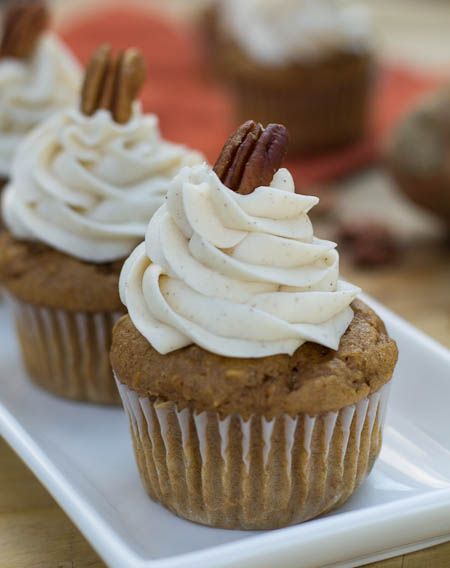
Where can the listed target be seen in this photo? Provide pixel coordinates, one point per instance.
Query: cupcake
(254, 380)
(418, 153)
(207, 27)
(84, 185)
(38, 76)
(307, 64)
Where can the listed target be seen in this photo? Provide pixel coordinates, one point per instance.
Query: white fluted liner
(255, 473)
(67, 352)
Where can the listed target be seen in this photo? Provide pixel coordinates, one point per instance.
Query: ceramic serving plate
(83, 455)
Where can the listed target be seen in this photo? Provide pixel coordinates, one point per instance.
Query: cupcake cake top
(279, 32)
(230, 261)
(38, 75)
(87, 180)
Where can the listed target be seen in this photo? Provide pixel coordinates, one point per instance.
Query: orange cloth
(197, 112)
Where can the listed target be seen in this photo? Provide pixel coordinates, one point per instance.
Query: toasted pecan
(251, 156)
(23, 24)
(113, 83)
(131, 75)
(94, 80)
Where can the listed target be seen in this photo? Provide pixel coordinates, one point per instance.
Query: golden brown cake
(38, 274)
(254, 381)
(64, 311)
(315, 393)
(85, 184)
(308, 65)
(313, 380)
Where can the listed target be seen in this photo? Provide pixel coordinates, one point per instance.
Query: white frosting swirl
(240, 276)
(32, 91)
(88, 186)
(278, 32)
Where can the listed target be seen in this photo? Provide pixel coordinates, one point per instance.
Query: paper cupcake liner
(320, 115)
(67, 353)
(255, 473)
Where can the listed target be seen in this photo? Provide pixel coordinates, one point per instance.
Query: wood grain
(436, 557)
(34, 531)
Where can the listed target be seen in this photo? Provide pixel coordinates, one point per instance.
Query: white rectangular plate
(83, 456)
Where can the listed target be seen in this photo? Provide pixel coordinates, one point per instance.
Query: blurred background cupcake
(208, 31)
(38, 75)
(418, 154)
(84, 185)
(305, 63)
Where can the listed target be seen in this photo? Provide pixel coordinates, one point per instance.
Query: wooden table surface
(36, 533)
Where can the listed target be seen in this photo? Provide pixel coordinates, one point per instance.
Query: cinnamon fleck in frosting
(238, 275)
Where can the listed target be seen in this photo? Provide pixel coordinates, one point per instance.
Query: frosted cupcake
(38, 76)
(305, 63)
(254, 380)
(417, 155)
(84, 185)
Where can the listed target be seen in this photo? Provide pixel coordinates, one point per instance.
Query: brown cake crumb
(314, 380)
(43, 276)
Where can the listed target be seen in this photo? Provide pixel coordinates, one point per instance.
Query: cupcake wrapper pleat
(329, 112)
(67, 353)
(256, 473)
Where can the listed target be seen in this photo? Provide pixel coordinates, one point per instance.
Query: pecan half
(113, 83)
(251, 156)
(95, 77)
(23, 24)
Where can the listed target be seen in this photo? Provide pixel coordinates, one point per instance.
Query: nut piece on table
(368, 243)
